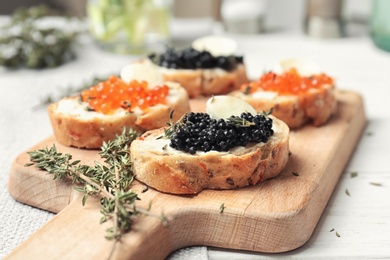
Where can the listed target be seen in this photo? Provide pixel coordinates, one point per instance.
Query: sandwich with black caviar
(221, 149)
(209, 67)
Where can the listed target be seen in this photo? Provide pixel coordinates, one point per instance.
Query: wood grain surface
(275, 216)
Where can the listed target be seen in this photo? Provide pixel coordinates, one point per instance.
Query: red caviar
(288, 83)
(112, 94)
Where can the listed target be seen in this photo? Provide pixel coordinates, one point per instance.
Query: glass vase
(130, 26)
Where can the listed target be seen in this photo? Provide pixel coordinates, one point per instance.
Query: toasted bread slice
(316, 105)
(207, 82)
(74, 125)
(168, 170)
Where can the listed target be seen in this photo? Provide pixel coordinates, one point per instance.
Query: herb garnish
(347, 192)
(144, 189)
(222, 208)
(172, 126)
(337, 233)
(376, 183)
(111, 180)
(240, 122)
(295, 174)
(247, 90)
(354, 174)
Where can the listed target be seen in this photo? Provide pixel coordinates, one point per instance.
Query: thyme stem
(116, 204)
(96, 185)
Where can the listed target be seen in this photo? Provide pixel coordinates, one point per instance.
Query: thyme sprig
(111, 180)
(221, 208)
(240, 122)
(173, 126)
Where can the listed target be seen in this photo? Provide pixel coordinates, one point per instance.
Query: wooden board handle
(75, 233)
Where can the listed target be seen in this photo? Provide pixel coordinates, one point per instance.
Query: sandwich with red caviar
(138, 99)
(221, 149)
(296, 91)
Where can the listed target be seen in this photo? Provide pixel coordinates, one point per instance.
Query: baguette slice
(316, 105)
(168, 170)
(74, 126)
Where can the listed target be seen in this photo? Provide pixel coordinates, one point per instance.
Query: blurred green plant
(28, 40)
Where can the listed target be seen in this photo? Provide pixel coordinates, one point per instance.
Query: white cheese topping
(226, 106)
(216, 45)
(304, 67)
(142, 71)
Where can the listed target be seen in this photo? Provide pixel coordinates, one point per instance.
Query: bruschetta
(201, 71)
(173, 165)
(297, 93)
(101, 112)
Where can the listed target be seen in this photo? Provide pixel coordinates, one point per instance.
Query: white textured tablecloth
(362, 219)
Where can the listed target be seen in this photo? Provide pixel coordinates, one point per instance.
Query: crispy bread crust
(182, 173)
(77, 131)
(317, 106)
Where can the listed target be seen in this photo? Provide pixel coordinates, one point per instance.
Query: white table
(362, 219)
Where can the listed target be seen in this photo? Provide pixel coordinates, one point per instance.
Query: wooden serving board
(277, 215)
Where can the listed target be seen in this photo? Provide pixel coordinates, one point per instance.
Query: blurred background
(138, 26)
(277, 14)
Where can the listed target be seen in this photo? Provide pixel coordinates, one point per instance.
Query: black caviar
(198, 132)
(190, 58)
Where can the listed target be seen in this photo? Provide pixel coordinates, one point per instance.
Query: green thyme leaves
(222, 208)
(240, 122)
(336, 232)
(111, 179)
(172, 126)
